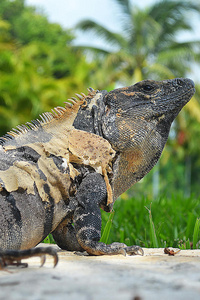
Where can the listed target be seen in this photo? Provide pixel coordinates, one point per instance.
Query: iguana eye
(148, 88)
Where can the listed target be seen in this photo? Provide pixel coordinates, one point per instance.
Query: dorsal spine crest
(71, 107)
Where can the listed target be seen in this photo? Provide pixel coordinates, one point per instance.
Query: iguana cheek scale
(56, 171)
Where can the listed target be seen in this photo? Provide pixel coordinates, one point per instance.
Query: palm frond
(159, 71)
(175, 53)
(110, 37)
(94, 50)
(125, 6)
(172, 15)
(169, 10)
(188, 44)
(148, 45)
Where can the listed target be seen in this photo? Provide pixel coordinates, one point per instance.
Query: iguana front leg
(87, 219)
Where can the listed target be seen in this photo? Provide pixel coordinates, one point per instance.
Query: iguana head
(137, 120)
(135, 112)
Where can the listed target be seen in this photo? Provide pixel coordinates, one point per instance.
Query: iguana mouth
(182, 99)
(188, 94)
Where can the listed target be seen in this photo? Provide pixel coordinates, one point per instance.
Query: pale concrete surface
(152, 276)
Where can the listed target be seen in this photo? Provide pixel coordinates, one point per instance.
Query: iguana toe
(134, 250)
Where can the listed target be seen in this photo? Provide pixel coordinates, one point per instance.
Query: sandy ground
(152, 276)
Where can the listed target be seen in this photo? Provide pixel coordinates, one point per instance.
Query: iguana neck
(89, 118)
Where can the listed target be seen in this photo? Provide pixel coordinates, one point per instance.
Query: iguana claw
(134, 250)
(14, 257)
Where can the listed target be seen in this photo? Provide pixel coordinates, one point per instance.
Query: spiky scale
(90, 89)
(73, 98)
(69, 104)
(79, 96)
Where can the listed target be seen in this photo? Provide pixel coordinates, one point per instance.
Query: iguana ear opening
(108, 101)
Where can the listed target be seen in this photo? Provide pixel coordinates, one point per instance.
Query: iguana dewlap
(92, 150)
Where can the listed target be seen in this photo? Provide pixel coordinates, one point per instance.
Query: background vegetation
(40, 68)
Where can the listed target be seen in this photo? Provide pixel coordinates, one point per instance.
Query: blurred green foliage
(40, 68)
(147, 46)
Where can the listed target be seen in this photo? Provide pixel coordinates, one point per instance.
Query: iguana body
(59, 170)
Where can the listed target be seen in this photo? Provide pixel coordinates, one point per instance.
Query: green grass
(163, 222)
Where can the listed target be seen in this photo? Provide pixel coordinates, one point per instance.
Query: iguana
(57, 171)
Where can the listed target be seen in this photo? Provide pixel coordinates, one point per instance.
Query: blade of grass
(49, 239)
(190, 225)
(188, 245)
(121, 233)
(153, 236)
(196, 233)
(106, 232)
(46, 240)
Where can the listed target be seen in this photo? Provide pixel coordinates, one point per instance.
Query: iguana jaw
(173, 96)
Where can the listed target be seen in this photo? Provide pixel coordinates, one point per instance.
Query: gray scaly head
(137, 120)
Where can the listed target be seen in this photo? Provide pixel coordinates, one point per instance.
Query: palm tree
(147, 46)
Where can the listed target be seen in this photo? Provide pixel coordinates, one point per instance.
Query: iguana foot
(14, 257)
(120, 248)
(134, 250)
(98, 248)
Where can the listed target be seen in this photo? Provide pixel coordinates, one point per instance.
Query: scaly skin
(60, 170)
